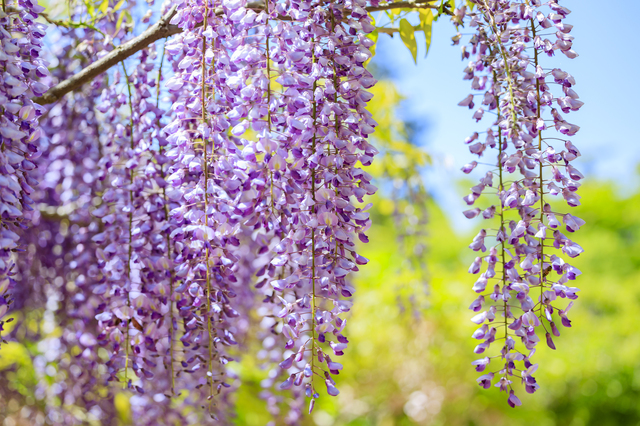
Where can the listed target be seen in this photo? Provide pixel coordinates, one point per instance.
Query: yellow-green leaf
(104, 6)
(426, 25)
(392, 14)
(15, 353)
(125, 17)
(470, 4)
(91, 10)
(119, 23)
(408, 38)
(123, 407)
(118, 5)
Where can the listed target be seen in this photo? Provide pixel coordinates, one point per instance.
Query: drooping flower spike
(519, 301)
(24, 68)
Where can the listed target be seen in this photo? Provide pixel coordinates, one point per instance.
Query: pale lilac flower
(508, 66)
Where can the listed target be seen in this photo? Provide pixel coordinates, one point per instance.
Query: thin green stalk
(313, 234)
(168, 239)
(335, 100)
(130, 254)
(269, 99)
(206, 204)
(501, 48)
(69, 23)
(538, 115)
(502, 227)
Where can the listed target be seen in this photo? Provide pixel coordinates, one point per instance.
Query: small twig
(69, 24)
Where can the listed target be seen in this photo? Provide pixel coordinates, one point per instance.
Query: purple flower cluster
(72, 172)
(69, 176)
(133, 248)
(522, 279)
(159, 228)
(162, 214)
(281, 164)
(23, 68)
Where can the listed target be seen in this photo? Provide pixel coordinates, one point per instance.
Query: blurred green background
(409, 360)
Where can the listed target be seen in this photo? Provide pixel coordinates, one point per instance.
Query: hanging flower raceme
(137, 317)
(256, 173)
(128, 212)
(292, 184)
(23, 68)
(524, 279)
(69, 178)
(209, 180)
(313, 134)
(71, 172)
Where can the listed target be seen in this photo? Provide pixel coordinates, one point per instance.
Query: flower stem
(501, 48)
(206, 204)
(168, 238)
(313, 230)
(542, 275)
(130, 254)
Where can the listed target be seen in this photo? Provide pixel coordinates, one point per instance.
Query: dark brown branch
(163, 29)
(157, 31)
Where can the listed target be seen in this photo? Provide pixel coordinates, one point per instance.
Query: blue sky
(606, 72)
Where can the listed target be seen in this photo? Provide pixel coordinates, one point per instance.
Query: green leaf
(123, 407)
(91, 10)
(426, 24)
(408, 38)
(104, 6)
(391, 15)
(470, 4)
(119, 23)
(118, 5)
(125, 17)
(14, 353)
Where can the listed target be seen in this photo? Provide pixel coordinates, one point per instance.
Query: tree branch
(163, 29)
(160, 29)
